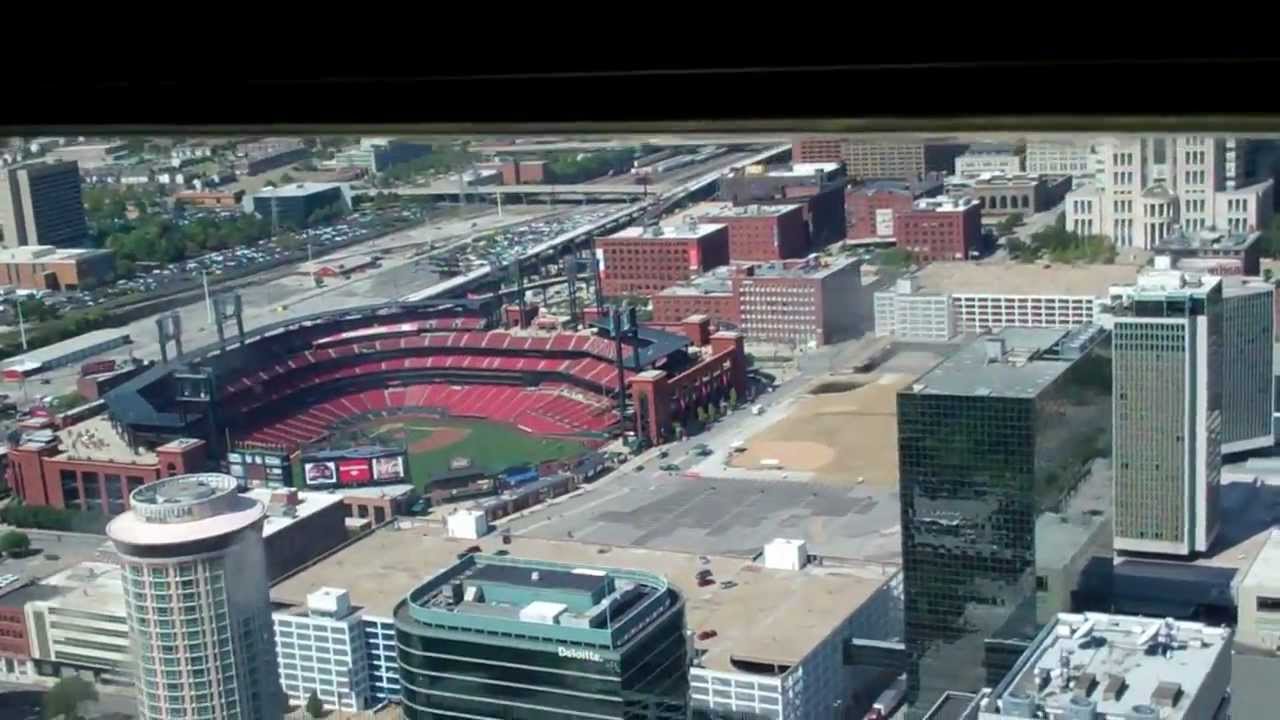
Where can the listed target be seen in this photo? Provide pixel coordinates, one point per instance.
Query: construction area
(844, 429)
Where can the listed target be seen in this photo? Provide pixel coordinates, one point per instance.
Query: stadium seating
(550, 409)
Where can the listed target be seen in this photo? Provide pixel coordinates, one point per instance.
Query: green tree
(1269, 243)
(702, 415)
(66, 696)
(14, 543)
(1267, 274)
(1020, 251)
(315, 708)
(678, 428)
(733, 397)
(1010, 223)
(287, 179)
(893, 258)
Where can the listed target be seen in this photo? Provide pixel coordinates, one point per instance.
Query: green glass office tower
(497, 637)
(997, 433)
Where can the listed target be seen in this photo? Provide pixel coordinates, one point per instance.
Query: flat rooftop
(1265, 570)
(309, 503)
(1060, 535)
(1208, 240)
(814, 266)
(97, 439)
(70, 345)
(48, 254)
(296, 189)
(678, 231)
(772, 614)
(95, 586)
(966, 278)
(728, 211)
(1102, 649)
(1029, 360)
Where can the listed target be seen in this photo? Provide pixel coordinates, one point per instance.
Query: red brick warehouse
(646, 260)
(764, 232)
(940, 229)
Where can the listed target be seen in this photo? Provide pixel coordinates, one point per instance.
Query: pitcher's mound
(790, 454)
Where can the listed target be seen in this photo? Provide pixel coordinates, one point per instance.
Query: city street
(23, 702)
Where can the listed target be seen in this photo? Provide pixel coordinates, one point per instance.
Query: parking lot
(53, 552)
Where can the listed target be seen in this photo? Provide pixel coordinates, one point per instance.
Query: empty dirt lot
(846, 428)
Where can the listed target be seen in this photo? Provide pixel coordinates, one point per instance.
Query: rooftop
(1118, 662)
(966, 278)
(97, 439)
(184, 508)
(944, 204)
(90, 586)
(70, 345)
(730, 211)
(1264, 572)
(1208, 240)
(1014, 363)
(296, 189)
(799, 169)
(954, 705)
(814, 266)
(774, 614)
(681, 231)
(48, 254)
(17, 596)
(278, 517)
(992, 148)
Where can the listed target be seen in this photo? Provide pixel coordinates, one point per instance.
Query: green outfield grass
(434, 442)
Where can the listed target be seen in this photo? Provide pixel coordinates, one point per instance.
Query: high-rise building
(998, 433)
(1248, 366)
(1168, 423)
(1148, 188)
(40, 204)
(499, 637)
(195, 574)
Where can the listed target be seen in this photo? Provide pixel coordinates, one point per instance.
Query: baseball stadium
(442, 383)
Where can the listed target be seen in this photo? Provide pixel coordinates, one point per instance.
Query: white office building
(988, 158)
(1096, 666)
(1248, 361)
(1060, 156)
(199, 616)
(806, 676)
(907, 313)
(77, 625)
(1167, 354)
(323, 650)
(1147, 188)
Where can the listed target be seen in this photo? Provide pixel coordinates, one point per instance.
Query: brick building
(662, 399)
(870, 207)
(818, 187)
(710, 294)
(864, 158)
(209, 198)
(940, 229)
(89, 466)
(801, 302)
(43, 267)
(645, 260)
(795, 302)
(763, 232)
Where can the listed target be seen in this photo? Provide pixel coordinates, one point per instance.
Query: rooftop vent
(1114, 687)
(1142, 712)
(1167, 694)
(994, 347)
(1018, 704)
(1080, 708)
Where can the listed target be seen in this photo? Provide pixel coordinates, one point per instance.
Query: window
(1042, 583)
(1268, 604)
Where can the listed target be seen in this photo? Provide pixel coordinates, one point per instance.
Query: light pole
(208, 302)
(22, 325)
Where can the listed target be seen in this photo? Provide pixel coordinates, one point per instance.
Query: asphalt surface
(24, 702)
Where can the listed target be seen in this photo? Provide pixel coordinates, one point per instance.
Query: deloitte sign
(579, 654)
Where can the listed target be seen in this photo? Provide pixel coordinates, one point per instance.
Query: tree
(66, 696)
(893, 258)
(14, 543)
(1011, 223)
(315, 708)
(733, 397)
(702, 415)
(1267, 274)
(678, 428)
(287, 179)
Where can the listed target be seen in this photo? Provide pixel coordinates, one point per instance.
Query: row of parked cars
(505, 246)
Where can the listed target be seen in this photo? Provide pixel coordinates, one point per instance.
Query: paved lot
(23, 702)
(724, 516)
(55, 552)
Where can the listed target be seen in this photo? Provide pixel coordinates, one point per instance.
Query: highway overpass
(514, 193)
(618, 144)
(630, 215)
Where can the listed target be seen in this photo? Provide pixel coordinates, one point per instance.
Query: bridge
(615, 144)
(631, 214)
(615, 191)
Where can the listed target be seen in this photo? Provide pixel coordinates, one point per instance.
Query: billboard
(258, 467)
(388, 469)
(884, 222)
(355, 467)
(320, 473)
(355, 472)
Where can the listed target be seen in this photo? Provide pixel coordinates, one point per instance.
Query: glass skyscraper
(996, 434)
(497, 637)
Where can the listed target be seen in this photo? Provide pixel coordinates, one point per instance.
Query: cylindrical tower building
(196, 597)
